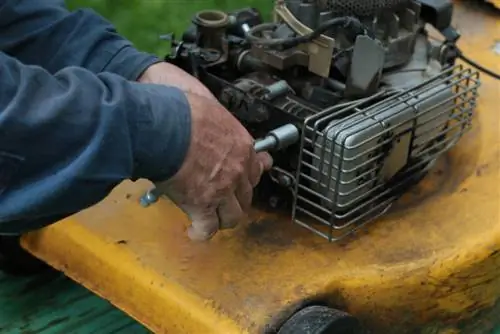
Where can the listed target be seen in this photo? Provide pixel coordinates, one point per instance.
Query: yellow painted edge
(73, 246)
(495, 3)
(164, 306)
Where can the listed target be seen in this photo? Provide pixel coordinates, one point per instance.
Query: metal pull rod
(277, 139)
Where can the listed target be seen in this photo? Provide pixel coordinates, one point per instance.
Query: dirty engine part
(374, 100)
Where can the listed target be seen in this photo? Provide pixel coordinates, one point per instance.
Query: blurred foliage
(143, 21)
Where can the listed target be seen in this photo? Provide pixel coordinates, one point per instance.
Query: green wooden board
(51, 303)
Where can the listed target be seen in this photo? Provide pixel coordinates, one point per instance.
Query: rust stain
(266, 231)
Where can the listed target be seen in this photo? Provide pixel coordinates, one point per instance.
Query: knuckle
(246, 142)
(239, 170)
(206, 196)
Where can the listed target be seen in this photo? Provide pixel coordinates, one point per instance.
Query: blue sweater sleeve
(45, 33)
(66, 139)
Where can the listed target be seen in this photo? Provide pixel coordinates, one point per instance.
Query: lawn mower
(381, 211)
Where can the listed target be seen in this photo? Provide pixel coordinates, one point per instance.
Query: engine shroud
(376, 104)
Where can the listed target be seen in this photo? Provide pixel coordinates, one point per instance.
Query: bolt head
(144, 201)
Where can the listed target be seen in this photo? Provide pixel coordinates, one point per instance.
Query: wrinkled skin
(215, 184)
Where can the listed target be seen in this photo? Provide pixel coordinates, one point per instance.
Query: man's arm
(45, 33)
(67, 139)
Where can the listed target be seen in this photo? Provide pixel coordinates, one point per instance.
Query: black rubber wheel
(14, 260)
(321, 320)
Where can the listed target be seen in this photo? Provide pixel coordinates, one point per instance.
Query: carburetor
(360, 102)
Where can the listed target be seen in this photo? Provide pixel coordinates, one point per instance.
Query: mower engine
(374, 99)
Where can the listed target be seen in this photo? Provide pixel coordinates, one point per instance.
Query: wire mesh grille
(361, 8)
(356, 159)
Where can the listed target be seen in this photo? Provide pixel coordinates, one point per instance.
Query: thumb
(204, 224)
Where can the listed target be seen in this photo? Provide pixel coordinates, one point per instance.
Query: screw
(274, 202)
(148, 198)
(285, 180)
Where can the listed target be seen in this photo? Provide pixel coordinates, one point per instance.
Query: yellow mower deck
(495, 3)
(434, 258)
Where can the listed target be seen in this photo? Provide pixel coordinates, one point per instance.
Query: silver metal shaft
(278, 139)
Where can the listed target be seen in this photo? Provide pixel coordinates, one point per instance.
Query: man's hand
(167, 74)
(215, 184)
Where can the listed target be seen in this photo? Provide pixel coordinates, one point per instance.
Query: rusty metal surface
(431, 263)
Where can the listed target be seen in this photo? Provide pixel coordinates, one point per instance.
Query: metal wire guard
(340, 184)
(360, 7)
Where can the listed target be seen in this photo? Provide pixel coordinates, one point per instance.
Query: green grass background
(142, 21)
